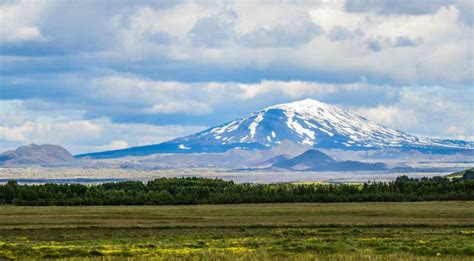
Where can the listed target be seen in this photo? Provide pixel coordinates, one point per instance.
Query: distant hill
(314, 160)
(36, 154)
(274, 160)
(460, 174)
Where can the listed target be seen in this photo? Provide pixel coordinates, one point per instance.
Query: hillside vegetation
(467, 173)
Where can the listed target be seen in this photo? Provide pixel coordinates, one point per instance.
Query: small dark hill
(310, 158)
(314, 160)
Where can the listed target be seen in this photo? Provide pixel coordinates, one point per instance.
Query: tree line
(185, 191)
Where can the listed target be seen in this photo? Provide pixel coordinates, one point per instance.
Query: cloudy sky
(99, 75)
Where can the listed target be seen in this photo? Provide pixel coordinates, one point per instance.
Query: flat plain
(41, 175)
(329, 231)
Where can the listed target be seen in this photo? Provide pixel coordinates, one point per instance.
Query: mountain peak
(308, 122)
(303, 105)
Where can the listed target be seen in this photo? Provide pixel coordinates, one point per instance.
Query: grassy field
(347, 231)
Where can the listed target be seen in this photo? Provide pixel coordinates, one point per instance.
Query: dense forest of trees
(176, 191)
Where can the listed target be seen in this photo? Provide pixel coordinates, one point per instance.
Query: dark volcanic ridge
(314, 160)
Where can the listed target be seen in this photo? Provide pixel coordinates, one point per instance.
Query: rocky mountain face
(306, 122)
(36, 154)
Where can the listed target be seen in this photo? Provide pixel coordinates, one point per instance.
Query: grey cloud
(394, 7)
(339, 33)
(294, 31)
(466, 11)
(404, 41)
(411, 7)
(379, 43)
(213, 31)
(374, 45)
(66, 28)
(369, 95)
(161, 38)
(72, 27)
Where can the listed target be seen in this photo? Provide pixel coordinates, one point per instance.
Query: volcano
(308, 122)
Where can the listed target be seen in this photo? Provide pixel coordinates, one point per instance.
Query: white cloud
(391, 116)
(439, 113)
(114, 145)
(77, 134)
(46, 131)
(185, 107)
(14, 134)
(163, 97)
(346, 93)
(18, 21)
(295, 89)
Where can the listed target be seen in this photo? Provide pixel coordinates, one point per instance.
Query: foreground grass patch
(356, 231)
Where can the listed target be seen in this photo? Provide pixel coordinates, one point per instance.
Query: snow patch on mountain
(183, 147)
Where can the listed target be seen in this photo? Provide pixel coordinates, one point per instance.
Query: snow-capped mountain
(308, 122)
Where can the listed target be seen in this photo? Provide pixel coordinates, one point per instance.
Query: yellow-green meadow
(329, 231)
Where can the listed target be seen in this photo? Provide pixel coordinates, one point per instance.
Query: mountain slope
(36, 154)
(308, 122)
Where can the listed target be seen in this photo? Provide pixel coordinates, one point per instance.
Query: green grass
(346, 231)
